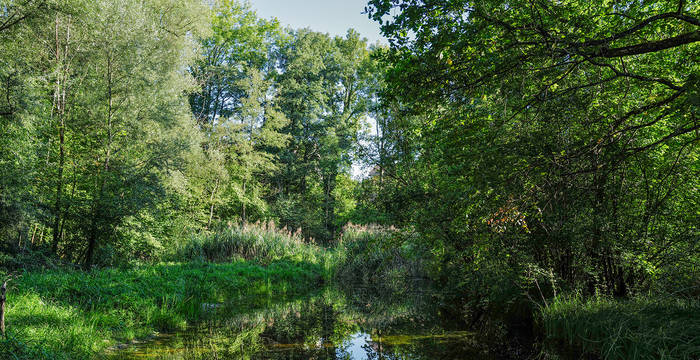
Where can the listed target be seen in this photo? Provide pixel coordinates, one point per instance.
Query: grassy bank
(64, 313)
(641, 328)
(76, 315)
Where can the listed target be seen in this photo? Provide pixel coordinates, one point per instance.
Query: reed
(640, 328)
(262, 242)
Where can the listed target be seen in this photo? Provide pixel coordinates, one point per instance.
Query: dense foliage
(535, 162)
(549, 137)
(94, 121)
(111, 153)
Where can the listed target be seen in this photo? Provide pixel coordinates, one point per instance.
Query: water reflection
(331, 324)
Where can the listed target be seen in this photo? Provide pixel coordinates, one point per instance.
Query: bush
(376, 255)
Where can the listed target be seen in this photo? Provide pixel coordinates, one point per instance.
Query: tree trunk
(243, 202)
(34, 233)
(97, 211)
(60, 107)
(3, 297)
(59, 191)
(211, 201)
(92, 241)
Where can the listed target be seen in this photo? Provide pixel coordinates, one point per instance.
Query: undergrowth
(60, 312)
(381, 257)
(259, 242)
(640, 328)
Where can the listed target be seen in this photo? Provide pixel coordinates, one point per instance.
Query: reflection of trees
(314, 327)
(320, 327)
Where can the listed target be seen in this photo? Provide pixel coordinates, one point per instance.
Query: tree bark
(34, 233)
(60, 107)
(3, 297)
(243, 202)
(652, 46)
(211, 201)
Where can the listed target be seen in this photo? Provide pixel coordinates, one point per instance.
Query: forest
(501, 179)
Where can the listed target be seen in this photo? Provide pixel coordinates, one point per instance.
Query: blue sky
(330, 16)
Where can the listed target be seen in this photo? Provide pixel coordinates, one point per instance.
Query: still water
(329, 324)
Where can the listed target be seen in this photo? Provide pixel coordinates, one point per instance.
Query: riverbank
(71, 314)
(64, 313)
(530, 313)
(637, 328)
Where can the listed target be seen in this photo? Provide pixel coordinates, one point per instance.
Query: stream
(328, 324)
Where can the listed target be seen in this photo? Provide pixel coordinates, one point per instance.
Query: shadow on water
(330, 324)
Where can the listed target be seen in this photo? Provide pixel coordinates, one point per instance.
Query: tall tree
(323, 89)
(570, 127)
(140, 49)
(257, 125)
(236, 112)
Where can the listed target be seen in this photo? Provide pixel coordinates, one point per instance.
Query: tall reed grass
(610, 329)
(262, 242)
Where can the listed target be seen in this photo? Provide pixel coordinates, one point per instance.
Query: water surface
(330, 324)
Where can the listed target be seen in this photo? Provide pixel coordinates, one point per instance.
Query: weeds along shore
(62, 312)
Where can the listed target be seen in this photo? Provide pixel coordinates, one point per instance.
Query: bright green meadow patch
(69, 314)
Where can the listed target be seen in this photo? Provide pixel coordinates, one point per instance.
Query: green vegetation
(69, 314)
(534, 164)
(372, 255)
(263, 243)
(544, 149)
(636, 329)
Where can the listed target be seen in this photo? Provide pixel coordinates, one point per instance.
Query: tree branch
(648, 47)
(640, 26)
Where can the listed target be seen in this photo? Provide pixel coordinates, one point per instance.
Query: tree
(324, 94)
(125, 177)
(102, 113)
(567, 127)
(236, 112)
(257, 126)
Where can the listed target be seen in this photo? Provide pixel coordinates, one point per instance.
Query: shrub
(376, 255)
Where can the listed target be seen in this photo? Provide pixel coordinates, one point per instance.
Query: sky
(329, 16)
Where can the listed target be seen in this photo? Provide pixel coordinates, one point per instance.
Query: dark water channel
(329, 324)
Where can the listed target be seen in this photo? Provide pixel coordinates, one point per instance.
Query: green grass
(70, 314)
(261, 242)
(614, 329)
